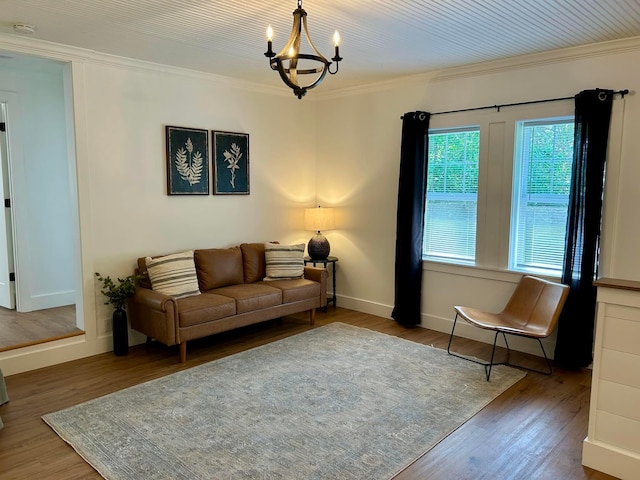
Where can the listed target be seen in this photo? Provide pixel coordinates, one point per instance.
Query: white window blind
(452, 194)
(542, 178)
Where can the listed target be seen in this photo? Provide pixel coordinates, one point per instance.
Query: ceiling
(381, 39)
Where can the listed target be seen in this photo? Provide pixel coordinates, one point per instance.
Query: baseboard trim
(444, 325)
(610, 460)
(51, 353)
(365, 306)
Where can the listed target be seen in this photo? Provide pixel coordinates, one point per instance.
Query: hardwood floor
(23, 329)
(532, 431)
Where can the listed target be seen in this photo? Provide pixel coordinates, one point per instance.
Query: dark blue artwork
(187, 161)
(230, 163)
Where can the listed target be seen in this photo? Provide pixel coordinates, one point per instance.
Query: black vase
(120, 332)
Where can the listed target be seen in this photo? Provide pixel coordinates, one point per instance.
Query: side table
(324, 262)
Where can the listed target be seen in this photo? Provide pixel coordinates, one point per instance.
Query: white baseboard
(365, 306)
(51, 353)
(445, 325)
(610, 460)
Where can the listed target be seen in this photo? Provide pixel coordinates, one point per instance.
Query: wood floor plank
(534, 430)
(22, 329)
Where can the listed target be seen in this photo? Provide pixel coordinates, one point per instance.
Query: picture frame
(230, 163)
(187, 161)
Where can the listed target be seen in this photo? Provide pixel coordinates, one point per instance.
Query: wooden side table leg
(334, 284)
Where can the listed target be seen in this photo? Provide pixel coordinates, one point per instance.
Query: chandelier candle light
(319, 219)
(289, 61)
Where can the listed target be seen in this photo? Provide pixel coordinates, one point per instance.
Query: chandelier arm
(318, 80)
(296, 29)
(297, 89)
(306, 32)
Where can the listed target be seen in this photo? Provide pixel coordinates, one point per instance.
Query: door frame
(11, 102)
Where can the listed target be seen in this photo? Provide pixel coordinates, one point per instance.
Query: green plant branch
(117, 293)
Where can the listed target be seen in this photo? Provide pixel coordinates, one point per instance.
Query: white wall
(121, 109)
(132, 216)
(42, 204)
(360, 173)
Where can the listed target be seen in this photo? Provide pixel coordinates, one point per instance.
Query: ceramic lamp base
(318, 247)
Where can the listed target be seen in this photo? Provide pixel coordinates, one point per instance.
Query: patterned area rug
(336, 402)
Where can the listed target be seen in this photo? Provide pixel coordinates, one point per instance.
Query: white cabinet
(613, 440)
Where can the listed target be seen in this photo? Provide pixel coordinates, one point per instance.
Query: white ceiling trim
(537, 59)
(64, 53)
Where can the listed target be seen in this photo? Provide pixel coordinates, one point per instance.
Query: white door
(7, 287)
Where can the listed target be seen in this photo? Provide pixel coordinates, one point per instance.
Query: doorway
(7, 271)
(41, 258)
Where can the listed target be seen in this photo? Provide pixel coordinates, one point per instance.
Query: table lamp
(319, 219)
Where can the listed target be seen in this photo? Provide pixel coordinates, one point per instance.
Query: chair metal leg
(484, 364)
(507, 345)
(487, 371)
(489, 366)
(546, 358)
(451, 336)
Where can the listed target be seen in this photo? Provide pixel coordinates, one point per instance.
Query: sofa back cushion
(253, 262)
(219, 267)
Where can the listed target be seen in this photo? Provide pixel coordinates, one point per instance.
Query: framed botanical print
(230, 163)
(187, 161)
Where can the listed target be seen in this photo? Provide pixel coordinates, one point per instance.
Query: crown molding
(496, 66)
(66, 53)
(544, 58)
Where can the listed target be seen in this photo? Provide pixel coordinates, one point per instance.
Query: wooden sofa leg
(312, 316)
(183, 352)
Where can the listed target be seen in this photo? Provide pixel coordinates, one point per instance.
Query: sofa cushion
(219, 267)
(297, 289)
(173, 275)
(204, 308)
(251, 296)
(253, 262)
(284, 261)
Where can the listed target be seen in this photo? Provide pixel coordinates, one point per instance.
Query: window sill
(476, 271)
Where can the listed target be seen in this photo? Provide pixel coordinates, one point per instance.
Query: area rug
(336, 402)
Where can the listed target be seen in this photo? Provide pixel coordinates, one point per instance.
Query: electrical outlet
(106, 326)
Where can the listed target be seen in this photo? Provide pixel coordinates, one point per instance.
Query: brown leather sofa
(233, 294)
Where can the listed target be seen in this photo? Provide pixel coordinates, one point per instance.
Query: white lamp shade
(319, 219)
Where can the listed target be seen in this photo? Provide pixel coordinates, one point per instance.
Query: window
(452, 194)
(542, 177)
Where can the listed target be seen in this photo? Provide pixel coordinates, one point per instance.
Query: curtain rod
(622, 93)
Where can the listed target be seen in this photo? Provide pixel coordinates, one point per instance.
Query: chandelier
(293, 65)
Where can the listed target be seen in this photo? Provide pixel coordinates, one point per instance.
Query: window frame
(443, 196)
(516, 198)
(495, 178)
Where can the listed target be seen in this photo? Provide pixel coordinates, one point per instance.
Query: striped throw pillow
(173, 275)
(284, 261)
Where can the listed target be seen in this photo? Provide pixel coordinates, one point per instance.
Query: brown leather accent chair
(532, 312)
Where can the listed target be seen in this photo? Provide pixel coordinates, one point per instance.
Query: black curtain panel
(410, 218)
(575, 329)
